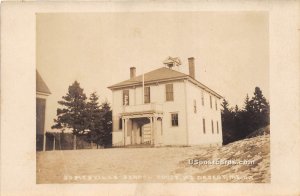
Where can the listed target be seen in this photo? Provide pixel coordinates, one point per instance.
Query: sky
(231, 50)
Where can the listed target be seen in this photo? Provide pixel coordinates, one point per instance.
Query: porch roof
(141, 114)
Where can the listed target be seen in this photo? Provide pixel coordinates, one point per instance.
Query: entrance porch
(142, 129)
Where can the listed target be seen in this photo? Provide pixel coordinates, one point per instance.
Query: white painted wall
(184, 95)
(196, 136)
(171, 135)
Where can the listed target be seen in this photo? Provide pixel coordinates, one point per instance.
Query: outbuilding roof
(41, 86)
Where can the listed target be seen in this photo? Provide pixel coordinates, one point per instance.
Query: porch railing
(143, 107)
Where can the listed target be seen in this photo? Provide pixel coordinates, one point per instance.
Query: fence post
(44, 142)
(74, 142)
(54, 143)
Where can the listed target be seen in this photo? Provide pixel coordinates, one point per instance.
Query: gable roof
(41, 86)
(158, 75)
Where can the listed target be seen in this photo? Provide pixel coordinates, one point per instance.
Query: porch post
(154, 130)
(44, 142)
(123, 130)
(151, 125)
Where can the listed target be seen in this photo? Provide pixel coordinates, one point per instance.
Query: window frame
(123, 97)
(120, 124)
(203, 126)
(169, 98)
(176, 120)
(149, 95)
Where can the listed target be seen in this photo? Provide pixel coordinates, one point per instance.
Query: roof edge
(148, 82)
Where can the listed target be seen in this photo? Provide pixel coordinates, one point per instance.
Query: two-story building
(165, 107)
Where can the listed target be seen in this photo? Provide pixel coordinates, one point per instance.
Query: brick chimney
(132, 72)
(192, 67)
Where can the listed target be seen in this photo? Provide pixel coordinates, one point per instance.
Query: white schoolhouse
(165, 107)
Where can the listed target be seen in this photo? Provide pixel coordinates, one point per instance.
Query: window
(120, 123)
(203, 120)
(216, 104)
(147, 94)
(169, 92)
(210, 99)
(195, 106)
(217, 127)
(212, 126)
(202, 98)
(174, 119)
(125, 97)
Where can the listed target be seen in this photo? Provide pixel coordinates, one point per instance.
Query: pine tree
(107, 123)
(94, 119)
(100, 121)
(227, 117)
(247, 117)
(261, 108)
(72, 115)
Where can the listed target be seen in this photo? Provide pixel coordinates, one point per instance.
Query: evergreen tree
(238, 124)
(72, 115)
(107, 123)
(100, 121)
(261, 108)
(227, 118)
(246, 118)
(94, 119)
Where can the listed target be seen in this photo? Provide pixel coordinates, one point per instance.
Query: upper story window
(210, 100)
(212, 126)
(147, 94)
(203, 122)
(216, 103)
(174, 119)
(202, 97)
(125, 97)
(169, 92)
(195, 106)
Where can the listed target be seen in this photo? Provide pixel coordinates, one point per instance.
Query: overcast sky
(231, 50)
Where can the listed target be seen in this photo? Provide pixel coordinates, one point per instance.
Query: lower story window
(203, 122)
(174, 119)
(120, 123)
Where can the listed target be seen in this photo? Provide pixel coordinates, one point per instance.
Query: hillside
(261, 131)
(256, 149)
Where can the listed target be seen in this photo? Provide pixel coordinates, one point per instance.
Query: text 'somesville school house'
(173, 108)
